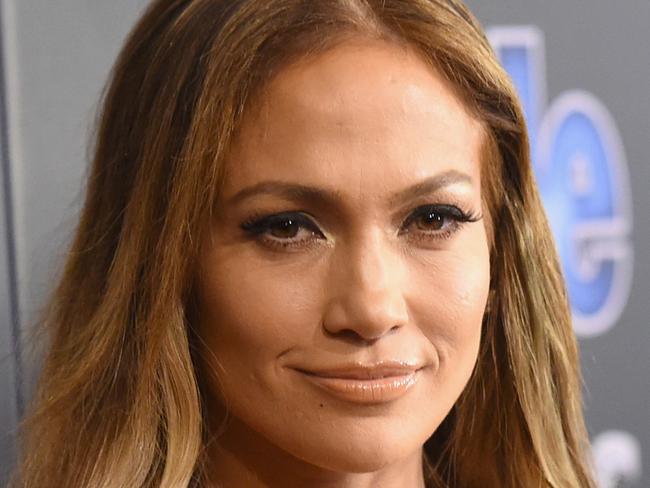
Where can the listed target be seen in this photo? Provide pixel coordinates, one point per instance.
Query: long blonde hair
(119, 399)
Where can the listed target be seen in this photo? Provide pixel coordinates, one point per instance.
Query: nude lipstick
(370, 384)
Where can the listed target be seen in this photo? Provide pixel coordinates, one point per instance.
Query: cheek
(448, 304)
(253, 311)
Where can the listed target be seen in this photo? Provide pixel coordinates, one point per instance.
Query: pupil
(434, 220)
(286, 228)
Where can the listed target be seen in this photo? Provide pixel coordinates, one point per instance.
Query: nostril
(364, 315)
(355, 336)
(348, 335)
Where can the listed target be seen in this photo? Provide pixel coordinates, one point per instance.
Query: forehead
(369, 112)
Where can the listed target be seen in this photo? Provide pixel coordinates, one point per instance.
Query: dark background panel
(603, 47)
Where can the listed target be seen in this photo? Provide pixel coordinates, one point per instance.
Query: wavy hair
(119, 399)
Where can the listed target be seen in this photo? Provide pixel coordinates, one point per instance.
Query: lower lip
(367, 392)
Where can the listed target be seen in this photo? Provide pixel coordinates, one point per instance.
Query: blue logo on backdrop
(583, 180)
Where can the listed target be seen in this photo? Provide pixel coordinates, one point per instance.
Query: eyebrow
(298, 192)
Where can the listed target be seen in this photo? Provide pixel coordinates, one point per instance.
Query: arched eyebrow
(326, 197)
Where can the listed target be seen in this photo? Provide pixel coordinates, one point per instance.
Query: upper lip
(359, 371)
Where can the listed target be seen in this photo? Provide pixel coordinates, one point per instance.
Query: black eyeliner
(444, 210)
(258, 224)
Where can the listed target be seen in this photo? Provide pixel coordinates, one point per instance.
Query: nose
(367, 283)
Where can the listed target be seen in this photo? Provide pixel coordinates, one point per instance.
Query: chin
(363, 448)
(365, 461)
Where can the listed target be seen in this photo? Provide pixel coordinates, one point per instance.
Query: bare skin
(340, 334)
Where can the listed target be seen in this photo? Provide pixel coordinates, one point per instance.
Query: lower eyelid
(279, 244)
(453, 227)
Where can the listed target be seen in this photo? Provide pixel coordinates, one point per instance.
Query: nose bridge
(368, 284)
(373, 264)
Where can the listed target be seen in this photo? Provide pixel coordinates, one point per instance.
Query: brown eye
(285, 229)
(434, 218)
(288, 229)
(430, 221)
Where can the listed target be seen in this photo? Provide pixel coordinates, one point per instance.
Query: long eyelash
(255, 224)
(452, 211)
(458, 218)
(258, 224)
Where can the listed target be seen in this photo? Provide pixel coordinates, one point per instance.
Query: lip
(368, 384)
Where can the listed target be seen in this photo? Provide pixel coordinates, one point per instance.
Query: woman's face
(345, 281)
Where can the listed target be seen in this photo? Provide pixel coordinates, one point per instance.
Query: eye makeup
(441, 221)
(286, 226)
(296, 229)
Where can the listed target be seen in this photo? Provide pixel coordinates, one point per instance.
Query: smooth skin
(371, 263)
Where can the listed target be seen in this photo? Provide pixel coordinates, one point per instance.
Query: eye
(297, 230)
(436, 221)
(287, 229)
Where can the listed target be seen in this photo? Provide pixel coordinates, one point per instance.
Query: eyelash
(257, 225)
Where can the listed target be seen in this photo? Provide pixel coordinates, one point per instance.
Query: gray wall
(55, 59)
(603, 47)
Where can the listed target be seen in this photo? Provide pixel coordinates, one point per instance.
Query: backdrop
(583, 72)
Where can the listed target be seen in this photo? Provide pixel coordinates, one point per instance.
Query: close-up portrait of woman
(311, 254)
